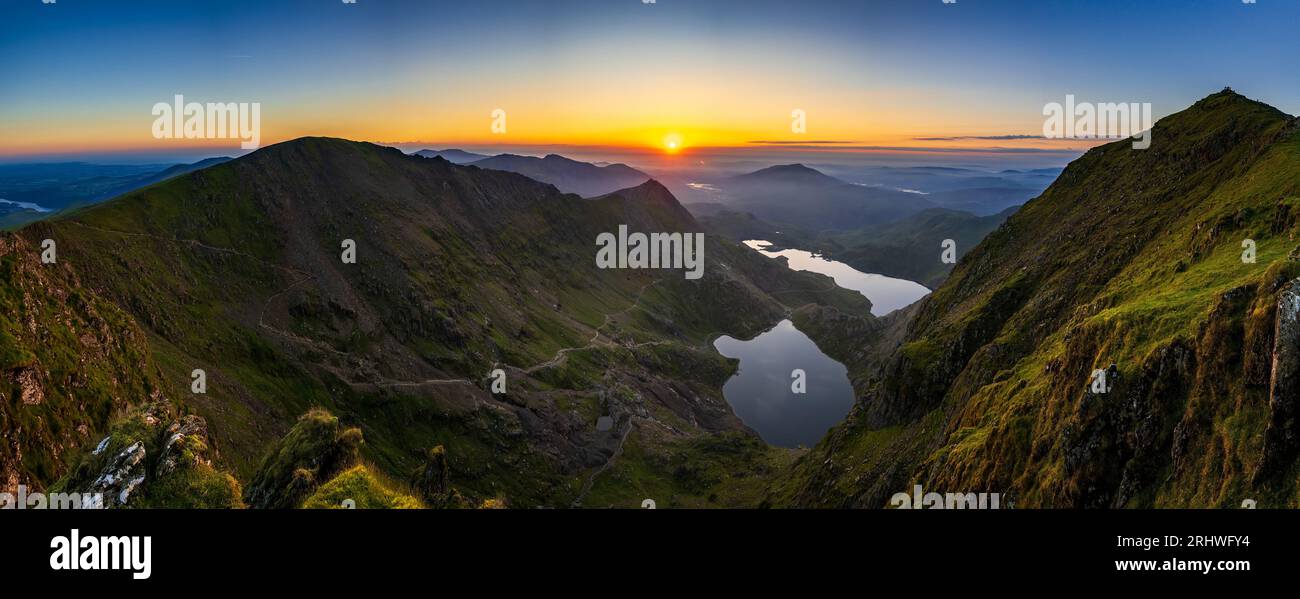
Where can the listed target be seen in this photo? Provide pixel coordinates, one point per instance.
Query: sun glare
(672, 143)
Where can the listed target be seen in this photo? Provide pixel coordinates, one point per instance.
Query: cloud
(979, 137)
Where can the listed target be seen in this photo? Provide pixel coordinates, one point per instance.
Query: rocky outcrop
(120, 477)
(315, 450)
(154, 458)
(29, 386)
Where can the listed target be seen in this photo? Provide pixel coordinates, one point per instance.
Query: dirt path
(305, 277)
(591, 479)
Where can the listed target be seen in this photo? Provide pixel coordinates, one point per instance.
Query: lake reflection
(760, 393)
(886, 293)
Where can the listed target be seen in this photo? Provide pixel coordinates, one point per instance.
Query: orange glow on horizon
(672, 143)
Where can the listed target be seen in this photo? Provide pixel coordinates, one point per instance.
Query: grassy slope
(1131, 258)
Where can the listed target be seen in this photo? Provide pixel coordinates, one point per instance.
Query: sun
(672, 143)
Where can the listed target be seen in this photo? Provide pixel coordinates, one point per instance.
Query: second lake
(762, 394)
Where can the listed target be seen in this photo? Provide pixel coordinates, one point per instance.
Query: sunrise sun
(672, 142)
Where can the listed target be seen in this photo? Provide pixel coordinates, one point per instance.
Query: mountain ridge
(570, 176)
(235, 270)
(1130, 263)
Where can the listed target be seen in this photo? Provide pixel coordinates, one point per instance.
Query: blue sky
(81, 75)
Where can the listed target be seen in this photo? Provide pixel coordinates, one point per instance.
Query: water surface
(761, 395)
(886, 293)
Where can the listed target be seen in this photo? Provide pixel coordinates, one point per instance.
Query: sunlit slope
(1132, 258)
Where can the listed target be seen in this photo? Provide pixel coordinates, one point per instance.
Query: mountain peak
(649, 205)
(789, 172)
(652, 186)
(1229, 100)
(797, 167)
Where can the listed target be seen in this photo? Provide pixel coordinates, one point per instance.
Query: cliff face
(1132, 264)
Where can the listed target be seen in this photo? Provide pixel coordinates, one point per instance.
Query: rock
(120, 476)
(31, 392)
(187, 440)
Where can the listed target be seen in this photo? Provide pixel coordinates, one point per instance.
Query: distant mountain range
(453, 156)
(570, 176)
(803, 197)
(60, 186)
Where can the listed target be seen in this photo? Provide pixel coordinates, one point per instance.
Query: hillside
(235, 269)
(910, 248)
(1131, 262)
(32, 192)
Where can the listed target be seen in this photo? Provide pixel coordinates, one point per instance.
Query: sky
(81, 76)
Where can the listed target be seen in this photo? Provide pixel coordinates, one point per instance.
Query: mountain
(798, 196)
(1131, 264)
(570, 176)
(453, 156)
(323, 375)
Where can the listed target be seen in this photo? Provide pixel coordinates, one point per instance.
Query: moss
(730, 469)
(316, 449)
(359, 488)
(1132, 258)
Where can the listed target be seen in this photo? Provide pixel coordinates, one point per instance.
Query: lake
(886, 293)
(761, 394)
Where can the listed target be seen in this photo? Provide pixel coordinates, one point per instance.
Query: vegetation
(1132, 258)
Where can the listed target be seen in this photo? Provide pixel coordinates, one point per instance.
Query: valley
(329, 378)
(223, 270)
